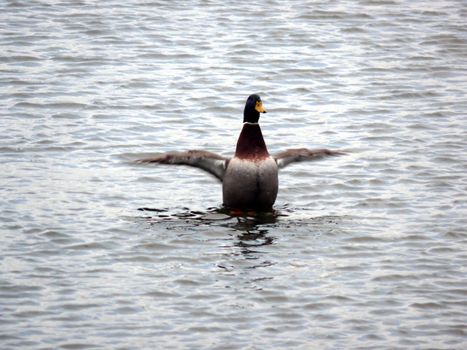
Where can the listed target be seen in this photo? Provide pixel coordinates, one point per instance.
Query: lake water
(364, 251)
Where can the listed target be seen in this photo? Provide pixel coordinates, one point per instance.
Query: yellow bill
(259, 107)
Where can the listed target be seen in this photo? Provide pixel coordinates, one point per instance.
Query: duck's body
(249, 179)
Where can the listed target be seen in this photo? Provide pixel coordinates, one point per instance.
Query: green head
(253, 107)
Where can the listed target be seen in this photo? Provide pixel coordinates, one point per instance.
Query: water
(364, 251)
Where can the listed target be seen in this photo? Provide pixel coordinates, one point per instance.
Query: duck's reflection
(251, 229)
(253, 233)
(249, 247)
(252, 239)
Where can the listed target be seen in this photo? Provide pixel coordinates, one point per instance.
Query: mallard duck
(250, 178)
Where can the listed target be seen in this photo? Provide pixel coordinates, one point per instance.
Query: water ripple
(363, 251)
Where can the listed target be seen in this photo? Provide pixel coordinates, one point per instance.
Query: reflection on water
(248, 219)
(249, 231)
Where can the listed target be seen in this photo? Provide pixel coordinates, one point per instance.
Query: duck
(250, 179)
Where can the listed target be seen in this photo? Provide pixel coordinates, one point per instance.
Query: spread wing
(286, 157)
(207, 161)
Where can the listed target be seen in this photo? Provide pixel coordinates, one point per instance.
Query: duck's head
(253, 107)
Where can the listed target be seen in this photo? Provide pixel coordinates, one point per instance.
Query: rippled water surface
(364, 251)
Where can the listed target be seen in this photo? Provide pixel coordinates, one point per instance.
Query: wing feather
(207, 161)
(289, 156)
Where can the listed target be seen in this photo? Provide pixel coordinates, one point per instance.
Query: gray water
(364, 251)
